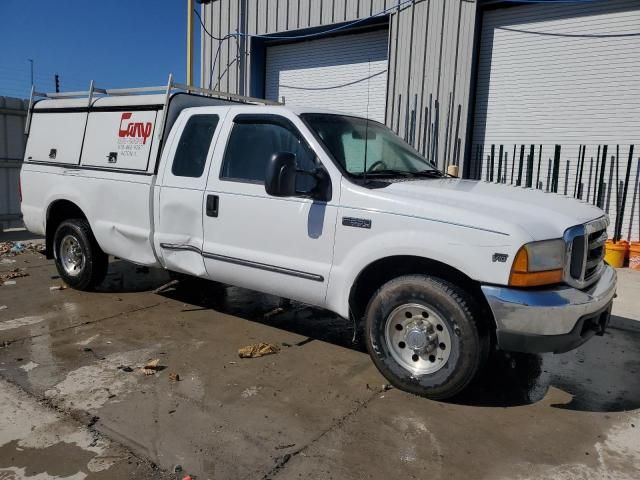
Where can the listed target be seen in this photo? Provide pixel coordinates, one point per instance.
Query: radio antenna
(366, 128)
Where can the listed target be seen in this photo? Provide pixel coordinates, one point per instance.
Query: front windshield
(361, 145)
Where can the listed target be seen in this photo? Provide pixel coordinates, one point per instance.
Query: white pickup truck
(325, 208)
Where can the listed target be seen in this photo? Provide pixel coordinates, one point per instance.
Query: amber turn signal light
(522, 277)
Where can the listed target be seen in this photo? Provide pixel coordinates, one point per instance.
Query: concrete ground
(74, 404)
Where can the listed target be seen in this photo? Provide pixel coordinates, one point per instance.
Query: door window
(191, 154)
(253, 141)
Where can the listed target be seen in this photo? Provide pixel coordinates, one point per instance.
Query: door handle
(213, 202)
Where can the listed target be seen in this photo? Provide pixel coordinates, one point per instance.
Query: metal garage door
(337, 73)
(567, 74)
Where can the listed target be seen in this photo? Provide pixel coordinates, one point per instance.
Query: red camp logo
(134, 129)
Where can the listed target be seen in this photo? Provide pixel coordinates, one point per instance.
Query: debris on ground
(57, 287)
(125, 368)
(177, 469)
(383, 388)
(9, 282)
(18, 247)
(283, 447)
(3, 307)
(10, 249)
(166, 286)
(174, 377)
(250, 392)
(257, 350)
(151, 367)
(273, 312)
(11, 274)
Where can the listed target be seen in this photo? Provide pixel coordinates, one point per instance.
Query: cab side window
(252, 142)
(191, 154)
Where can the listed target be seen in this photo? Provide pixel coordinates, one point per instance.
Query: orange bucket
(615, 254)
(634, 256)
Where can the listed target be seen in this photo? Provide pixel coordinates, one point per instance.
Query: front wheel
(422, 335)
(79, 260)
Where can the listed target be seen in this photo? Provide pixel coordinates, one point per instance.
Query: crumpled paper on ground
(257, 350)
(151, 367)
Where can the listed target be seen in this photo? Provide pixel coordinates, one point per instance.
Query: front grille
(585, 252)
(595, 253)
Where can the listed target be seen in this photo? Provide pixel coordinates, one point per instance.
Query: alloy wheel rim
(418, 338)
(71, 255)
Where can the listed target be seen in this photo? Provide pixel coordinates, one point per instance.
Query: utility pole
(190, 6)
(56, 78)
(31, 62)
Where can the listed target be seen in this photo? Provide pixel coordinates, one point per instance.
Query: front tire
(422, 335)
(79, 260)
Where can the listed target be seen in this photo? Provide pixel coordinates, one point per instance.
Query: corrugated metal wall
(13, 113)
(430, 58)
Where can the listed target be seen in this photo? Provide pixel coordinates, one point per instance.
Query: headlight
(538, 263)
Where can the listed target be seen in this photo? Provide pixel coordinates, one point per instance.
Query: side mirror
(280, 180)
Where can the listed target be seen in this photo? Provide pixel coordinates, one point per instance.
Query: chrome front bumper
(553, 320)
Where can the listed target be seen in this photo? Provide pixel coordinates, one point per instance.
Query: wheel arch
(57, 212)
(382, 270)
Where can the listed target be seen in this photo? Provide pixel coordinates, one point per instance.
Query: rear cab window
(191, 154)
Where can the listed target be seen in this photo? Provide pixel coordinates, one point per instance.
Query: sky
(117, 43)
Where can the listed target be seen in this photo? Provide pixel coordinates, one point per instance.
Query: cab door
(178, 232)
(282, 246)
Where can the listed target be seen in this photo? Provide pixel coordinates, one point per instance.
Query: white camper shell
(73, 128)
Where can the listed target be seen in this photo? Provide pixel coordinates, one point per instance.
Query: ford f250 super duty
(325, 208)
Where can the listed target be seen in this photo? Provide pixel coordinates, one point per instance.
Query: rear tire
(421, 333)
(78, 257)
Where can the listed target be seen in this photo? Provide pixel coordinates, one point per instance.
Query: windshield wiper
(429, 173)
(390, 171)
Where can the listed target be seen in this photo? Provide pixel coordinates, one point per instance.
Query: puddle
(27, 367)
(616, 458)
(21, 322)
(32, 438)
(91, 386)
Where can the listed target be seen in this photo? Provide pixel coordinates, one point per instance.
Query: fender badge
(500, 257)
(356, 222)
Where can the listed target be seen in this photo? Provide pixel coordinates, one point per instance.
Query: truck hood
(489, 206)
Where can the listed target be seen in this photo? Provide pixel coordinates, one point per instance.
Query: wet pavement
(69, 371)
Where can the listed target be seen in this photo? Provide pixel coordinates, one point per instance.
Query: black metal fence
(604, 175)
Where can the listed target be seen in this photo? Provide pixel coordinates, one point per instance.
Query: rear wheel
(422, 335)
(79, 260)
